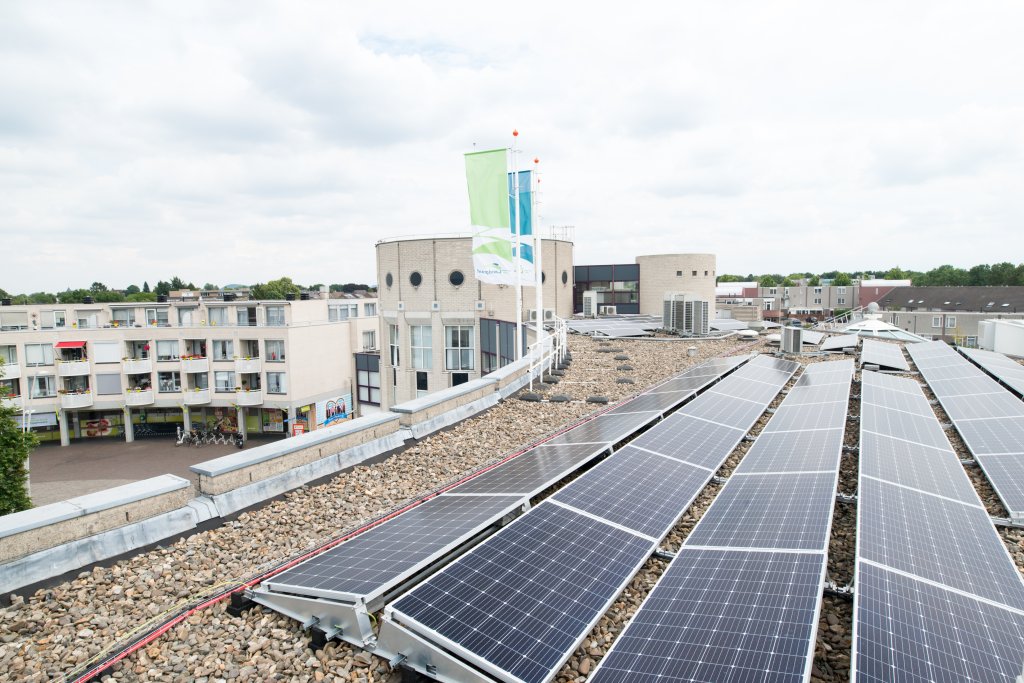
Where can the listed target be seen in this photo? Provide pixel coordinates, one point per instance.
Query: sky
(229, 142)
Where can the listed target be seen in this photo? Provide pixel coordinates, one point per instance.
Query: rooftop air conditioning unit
(686, 314)
(549, 315)
(589, 304)
(609, 310)
(792, 339)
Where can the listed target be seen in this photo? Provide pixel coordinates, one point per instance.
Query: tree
(108, 297)
(15, 447)
(132, 289)
(730, 278)
(177, 283)
(210, 287)
(97, 287)
(896, 273)
(73, 296)
(842, 280)
(141, 296)
(5, 295)
(145, 287)
(162, 287)
(1003, 274)
(768, 281)
(274, 289)
(787, 282)
(814, 281)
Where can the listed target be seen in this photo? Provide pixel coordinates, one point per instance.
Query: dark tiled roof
(985, 299)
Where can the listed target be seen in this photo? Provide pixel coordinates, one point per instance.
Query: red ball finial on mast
(515, 133)
(536, 160)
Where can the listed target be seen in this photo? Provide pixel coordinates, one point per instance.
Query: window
(769, 305)
(950, 322)
(223, 381)
(817, 290)
(565, 277)
(389, 280)
(336, 312)
(51, 319)
(458, 350)
(895, 320)
(456, 278)
(420, 345)
(246, 316)
(109, 384)
(187, 316)
(9, 355)
(200, 380)
(936, 321)
(841, 300)
(43, 386)
(223, 349)
(106, 352)
(369, 340)
(705, 273)
(488, 346)
(694, 273)
(10, 388)
(773, 290)
(275, 316)
(38, 354)
(393, 344)
(275, 350)
(276, 383)
(168, 382)
(369, 310)
(87, 319)
(679, 273)
(972, 342)
(167, 349)
(817, 299)
(421, 384)
(840, 290)
(459, 378)
(415, 279)
(157, 316)
(124, 317)
(217, 315)
(368, 378)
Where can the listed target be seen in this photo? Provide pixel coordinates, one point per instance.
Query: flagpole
(537, 261)
(518, 252)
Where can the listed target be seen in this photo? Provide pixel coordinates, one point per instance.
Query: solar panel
(723, 616)
(694, 441)
(838, 342)
(727, 324)
(623, 331)
(810, 337)
(933, 577)
(520, 602)
(532, 472)
(391, 551)
(723, 410)
(740, 600)
(904, 425)
(607, 428)
(807, 416)
(989, 419)
(883, 354)
(1006, 370)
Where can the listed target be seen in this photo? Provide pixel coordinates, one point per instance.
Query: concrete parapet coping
(39, 517)
(511, 369)
(270, 451)
(438, 397)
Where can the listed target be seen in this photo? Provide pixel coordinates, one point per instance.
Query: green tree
(896, 273)
(108, 297)
(274, 289)
(768, 281)
(210, 287)
(730, 278)
(73, 296)
(5, 295)
(42, 298)
(788, 282)
(162, 287)
(141, 296)
(842, 280)
(1003, 274)
(145, 287)
(814, 281)
(97, 287)
(132, 289)
(178, 283)
(15, 448)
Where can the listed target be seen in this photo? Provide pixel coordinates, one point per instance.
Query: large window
(168, 382)
(458, 351)
(420, 345)
(223, 381)
(275, 316)
(393, 344)
(167, 349)
(38, 354)
(422, 387)
(275, 350)
(187, 316)
(488, 346)
(936, 321)
(106, 352)
(87, 319)
(277, 383)
(157, 316)
(108, 384)
(218, 315)
(950, 322)
(369, 340)
(9, 355)
(124, 317)
(223, 349)
(48, 320)
(368, 378)
(10, 387)
(43, 386)
(369, 310)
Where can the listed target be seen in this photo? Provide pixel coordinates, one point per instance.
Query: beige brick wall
(663, 273)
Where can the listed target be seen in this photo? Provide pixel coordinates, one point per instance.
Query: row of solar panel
(988, 417)
(741, 599)
(518, 604)
(1006, 370)
(883, 354)
(365, 567)
(938, 597)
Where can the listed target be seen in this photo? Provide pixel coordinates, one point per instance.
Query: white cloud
(228, 144)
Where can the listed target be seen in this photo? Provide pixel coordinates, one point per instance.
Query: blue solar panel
(915, 466)
(811, 451)
(533, 471)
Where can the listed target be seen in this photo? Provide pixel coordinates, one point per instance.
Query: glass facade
(616, 285)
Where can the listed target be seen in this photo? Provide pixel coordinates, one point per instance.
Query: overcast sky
(240, 142)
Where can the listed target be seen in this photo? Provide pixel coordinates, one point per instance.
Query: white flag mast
(518, 252)
(537, 264)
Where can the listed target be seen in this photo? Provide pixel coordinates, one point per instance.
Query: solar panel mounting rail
(340, 588)
(516, 606)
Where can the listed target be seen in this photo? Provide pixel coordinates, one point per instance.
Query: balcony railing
(136, 366)
(195, 364)
(12, 371)
(245, 366)
(139, 397)
(77, 400)
(252, 397)
(73, 368)
(11, 402)
(196, 397)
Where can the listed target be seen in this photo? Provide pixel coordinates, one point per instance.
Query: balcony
(245, 366)
(196, 397)
(13, 371)
(136, 366)
(73, 368)
(249, 398)
(195, 364)
(142, 397)
(11, 402)
(79, 400)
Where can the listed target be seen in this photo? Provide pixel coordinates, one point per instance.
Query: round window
(389, 280)
(565, 277)
(456, 278)
(415, 279)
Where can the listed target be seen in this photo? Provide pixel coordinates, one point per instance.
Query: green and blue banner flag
(491, 208)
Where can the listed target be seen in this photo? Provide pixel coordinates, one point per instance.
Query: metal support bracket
(832, 588)
(970, 462)
(851, 449)
(748, 438)
(719, 480)
(1006, 522)
(663, 555)
(844, 498)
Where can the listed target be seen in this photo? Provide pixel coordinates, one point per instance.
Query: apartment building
(641, 287)
(952, 314)
(441, 326)
(92, 370)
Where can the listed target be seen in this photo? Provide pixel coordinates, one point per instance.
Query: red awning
(70, 345)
